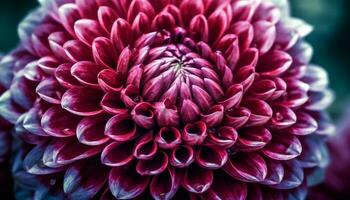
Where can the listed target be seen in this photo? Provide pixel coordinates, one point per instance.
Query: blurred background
(330, 39)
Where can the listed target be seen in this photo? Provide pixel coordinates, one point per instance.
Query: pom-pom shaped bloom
(210, 99)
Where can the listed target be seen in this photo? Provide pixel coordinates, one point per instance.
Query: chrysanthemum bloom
(336, 185)
(211, 99)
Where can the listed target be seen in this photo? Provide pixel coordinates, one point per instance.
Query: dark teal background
(330, 39)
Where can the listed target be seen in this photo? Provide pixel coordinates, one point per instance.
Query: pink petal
(265, 35)
(110, 81)
(87, 30)
(261, 112)
(182, 156)
(166, 114)
(305, 124)
(117, 154)
(90, 130)
(59, 123)
(112, 103)
(125, 183)
(103, 52)
(253, 139)
(195, 133)
(50, 91)
(106, 16)
(145, 147)
(237, 117)
(210, 157)
(165, 185)
(233, 96)
(77, 51)
(86, 73)
(197, 179)
(214, 116)
(64, 77)
(283, 147)
(143, 115)
(82, 101)
(121, 127)
(120, 34)
(154, 166)
(274, 63)
(168, 138)
(247, 167)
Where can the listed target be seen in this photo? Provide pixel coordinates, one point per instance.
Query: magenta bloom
(166, 99)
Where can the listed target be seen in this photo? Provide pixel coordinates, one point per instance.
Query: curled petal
(197, 179)
(233, 96)
(103, 52)
(168, 138)
(316, 77)
(261, 112)
(293, 176)
(82, 101)
(274, 63)
(218, 23)
(253, 139)
(90, 130)
(164, 20)
(245, 76)
(32, 120)
(166, 114)
(66, 151)
(214, 116)
(130, 96)
(117, 154)
(109, 80)
(320, 100)
(195, 6)
(141, 24)
(304, 125)
(224, 187)
(120, 34)
(112, 103)
(165, 185)
(194, 133)
(182, 156)
(244, 31)
(50, 91)
(189, 111)
(154, 166)
(283, 117)
(201, 97)
(64, 77)
(199, 28)
(86, 73)
(275, 172)
(265, 35)
(48, 64)
(263, 89)
(121, 127)
(77, 185)
(33, 162)
(138, 6)
(106, 16)
(283, 147)
(87, 30)
(247, 167)
(237, 117)
(68, 14)
(210, 157)
(143, 115)
(224, 137)
(145, 148)
(125, 183)
(77, 51)
(314, 152)
(59, 123)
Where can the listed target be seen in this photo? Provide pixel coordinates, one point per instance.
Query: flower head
(166, 98)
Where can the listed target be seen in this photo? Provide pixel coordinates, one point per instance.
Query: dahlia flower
(165, 99)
